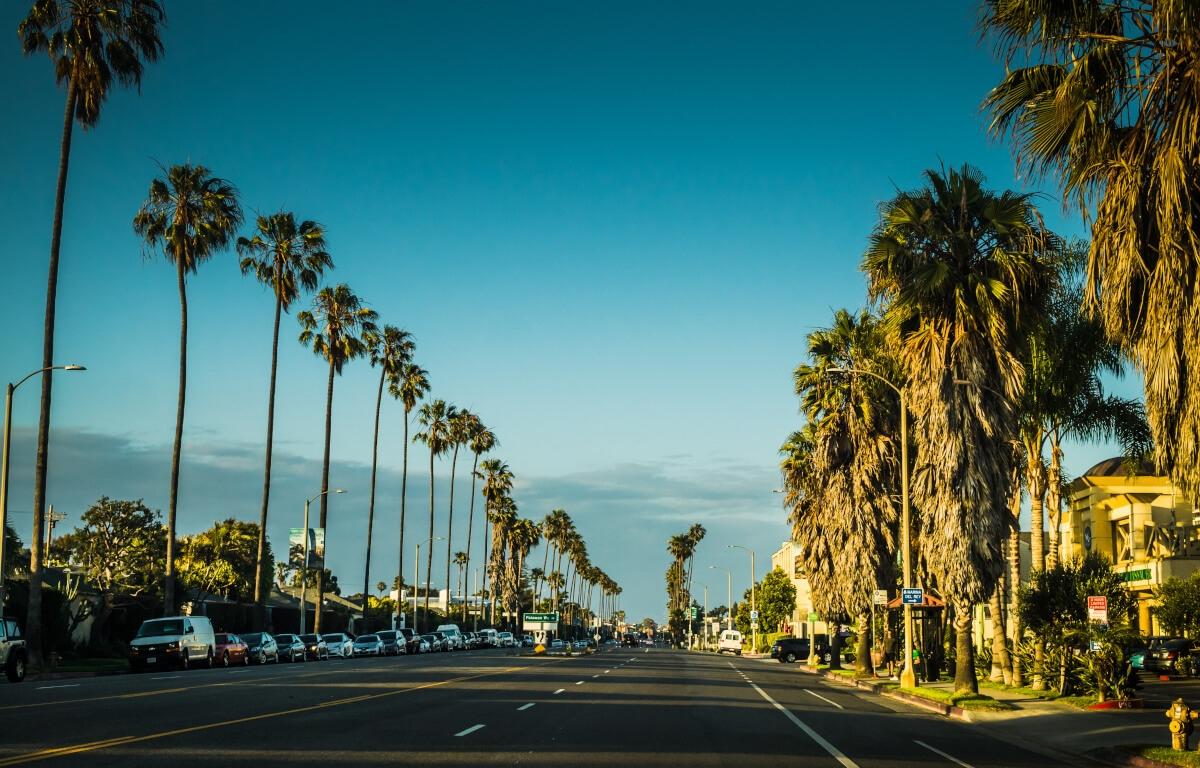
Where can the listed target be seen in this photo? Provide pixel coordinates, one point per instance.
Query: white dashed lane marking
(822, 698)
(560, 690)
(937, 751)
(524, 707)
(472, 729)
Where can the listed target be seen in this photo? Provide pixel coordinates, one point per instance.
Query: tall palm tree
(460, 560)
(481, 441)
(409, 387)
(497, 483)
(459, 425)
(502, 513)
(961, 272)
(334, 330)
(389, 349)
(435, 422)
(1107, 105)
(192, 215)
(525, 536)
(89, 42)
(288, 258)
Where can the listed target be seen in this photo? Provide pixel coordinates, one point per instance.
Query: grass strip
(970, 701)
(1164, 754)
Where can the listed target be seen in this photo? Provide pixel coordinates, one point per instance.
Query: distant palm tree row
(682, 548)
(189, 216)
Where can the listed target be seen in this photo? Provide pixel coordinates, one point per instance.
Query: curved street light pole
(417, 575)
(8, 396)
(908, 678)
(304, 571)
(753, 596)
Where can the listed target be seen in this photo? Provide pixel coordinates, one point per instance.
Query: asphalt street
(627, 707)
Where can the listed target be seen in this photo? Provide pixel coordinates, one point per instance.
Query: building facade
(787, 558)
(1140, 522)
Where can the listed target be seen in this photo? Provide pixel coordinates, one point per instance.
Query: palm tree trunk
(33, 623)
(1035, 482)
(470, 526)
(169, 583)
(1014, 605)
(324, 501)
(1054, 497)
(429, 555)
(450, 526)
(545, 562)
(964, 656)
(862, 658)
(371, 505)
(487, 564)
(403, 501)
(1001, 666)
(260, 566)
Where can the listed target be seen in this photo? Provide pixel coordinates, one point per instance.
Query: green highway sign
(694, 612)
(542, 617)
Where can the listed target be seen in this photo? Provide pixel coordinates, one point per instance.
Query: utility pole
(52, 517)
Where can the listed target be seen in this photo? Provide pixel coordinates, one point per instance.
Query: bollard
(1181, 724)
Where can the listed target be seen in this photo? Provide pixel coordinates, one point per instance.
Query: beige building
(1140, 522)
(787, 558)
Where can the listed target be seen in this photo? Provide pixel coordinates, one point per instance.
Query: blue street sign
(912, 596)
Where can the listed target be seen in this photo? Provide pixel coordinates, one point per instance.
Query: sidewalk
(1057, 727)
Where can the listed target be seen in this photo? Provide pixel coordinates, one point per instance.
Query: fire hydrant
(1181, 723)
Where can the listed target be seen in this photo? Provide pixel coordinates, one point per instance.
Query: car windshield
(1175, 645)
(161, 627)
(253, 637)
(222, 638)
(367, 639)
(283, 638)
(309, 638)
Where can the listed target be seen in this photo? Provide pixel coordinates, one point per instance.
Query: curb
(945, 710)
(1125, 759)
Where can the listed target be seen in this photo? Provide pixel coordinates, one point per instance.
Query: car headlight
(172, 645)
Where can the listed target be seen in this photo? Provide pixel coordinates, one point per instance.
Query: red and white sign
(1097, 608)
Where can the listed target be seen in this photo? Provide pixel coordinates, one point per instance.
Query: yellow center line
(76, 749)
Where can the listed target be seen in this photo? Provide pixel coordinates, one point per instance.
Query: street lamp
(908, 678)
(304, 572)
(728, 595)
(753, 592)
(8, 396)
(417, 575)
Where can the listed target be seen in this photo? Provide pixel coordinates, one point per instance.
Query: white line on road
(832, 750)
(66, 685)
(470, 730)
(579, 683)
(822, 698)
(560, 690)
(595, 676)
(607, 671)
(935, 750)
(524, 707)
(167, 677)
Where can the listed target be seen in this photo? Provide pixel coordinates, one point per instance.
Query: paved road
(623, 707)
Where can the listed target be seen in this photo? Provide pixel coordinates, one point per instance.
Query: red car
(230, 650)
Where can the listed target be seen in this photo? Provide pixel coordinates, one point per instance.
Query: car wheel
(245, 659)
(183, 660)
(790, 658)
(828, 657)
(16, 668)
(225, 659)
(209, 661)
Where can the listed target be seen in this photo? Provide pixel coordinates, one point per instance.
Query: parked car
(13, 656)
(505, 639)
(411, 639)
(1172, 655)
(183, 641)
(261, 647)
(787, 650)
(291, 647)
(367, 645)
(340, 644)
(526, 641)
(315, 647)
(488, 639)
(424, 645)
(454, 637)
(231, 650)
(629, 641)
(393, 642)
(558, 644)
(436, 642)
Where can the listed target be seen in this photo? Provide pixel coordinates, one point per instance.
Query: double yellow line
(92, 746)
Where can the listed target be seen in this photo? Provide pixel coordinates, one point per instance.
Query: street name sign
(812, 616)
(912, 596)
(541, 617)
(753, 615)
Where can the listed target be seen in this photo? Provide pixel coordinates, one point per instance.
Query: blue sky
(609, 227)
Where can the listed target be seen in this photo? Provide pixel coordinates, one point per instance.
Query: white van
(489, 638)
(731, 642)
(454, 637)
(184, 641)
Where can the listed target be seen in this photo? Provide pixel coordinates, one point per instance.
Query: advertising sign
(316, 547)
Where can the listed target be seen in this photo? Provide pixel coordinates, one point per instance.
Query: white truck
(454, 637)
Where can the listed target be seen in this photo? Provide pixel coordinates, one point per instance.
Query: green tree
(334, 330)
(390, 350)
(1179, 605)
(1054, 606)
(410, 385)
(289, 258)
(222, 560)
(90, 43)
(434, 419)
(120, 548)
(191, 214)
(459, 424)
(960, 272)
(1103, 99)
(497, 483)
